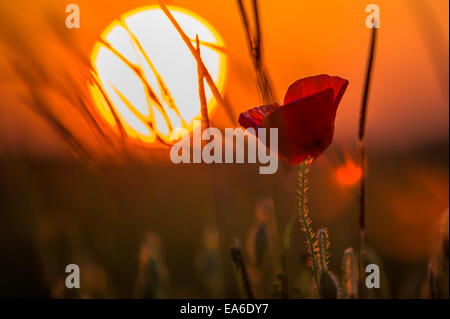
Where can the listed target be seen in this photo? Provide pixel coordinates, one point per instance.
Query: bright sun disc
(145, 77)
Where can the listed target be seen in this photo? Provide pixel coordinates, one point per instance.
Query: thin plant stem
(362, 218)
(215, 91)
(161, 84)
(206, 124)
(201, 90)
(150, 93)
(324, 248)
(254, 43)
(257, 25)
(303, 213)
(118, 123)
(283, 252)
(367, 82)
(362, 161)
(40, 107)
(246, 24)
(434, 292)
(236, 255)
(151, 96)
(266, 92)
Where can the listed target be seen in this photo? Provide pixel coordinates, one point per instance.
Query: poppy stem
(363, 164)
(303, 212)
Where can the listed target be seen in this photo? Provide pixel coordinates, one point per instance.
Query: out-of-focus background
(111, 212)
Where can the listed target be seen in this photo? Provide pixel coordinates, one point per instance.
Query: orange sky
(408, 106)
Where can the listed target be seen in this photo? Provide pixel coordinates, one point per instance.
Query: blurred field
(55, 213)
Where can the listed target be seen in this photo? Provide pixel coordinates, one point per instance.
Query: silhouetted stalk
(206, 124)
(283, 252)
(303, 212)
(434, 292)
(324, 248)
(201, 90)
(80, 95)
(215, 91)
(161, 84)
(266, 92)
(39, 106)
(236, 256)
(96, 83)
(26, 64)
(149, 94)
(255, 49)
(362, 161)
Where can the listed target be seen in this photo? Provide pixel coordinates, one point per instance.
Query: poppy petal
(254, 117)
(314, 84)
(305, 127)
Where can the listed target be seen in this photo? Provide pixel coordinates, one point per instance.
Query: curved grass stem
(208, 78)
(362, 161)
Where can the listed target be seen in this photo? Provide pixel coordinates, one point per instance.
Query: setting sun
(145, 78)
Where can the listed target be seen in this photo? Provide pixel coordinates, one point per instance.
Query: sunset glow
(143, 54)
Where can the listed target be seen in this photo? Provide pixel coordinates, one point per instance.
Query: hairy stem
(303, 212)
(324, 248)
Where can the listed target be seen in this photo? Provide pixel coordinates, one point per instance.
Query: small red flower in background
(306, 120)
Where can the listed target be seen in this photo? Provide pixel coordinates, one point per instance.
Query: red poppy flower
(306, 120)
